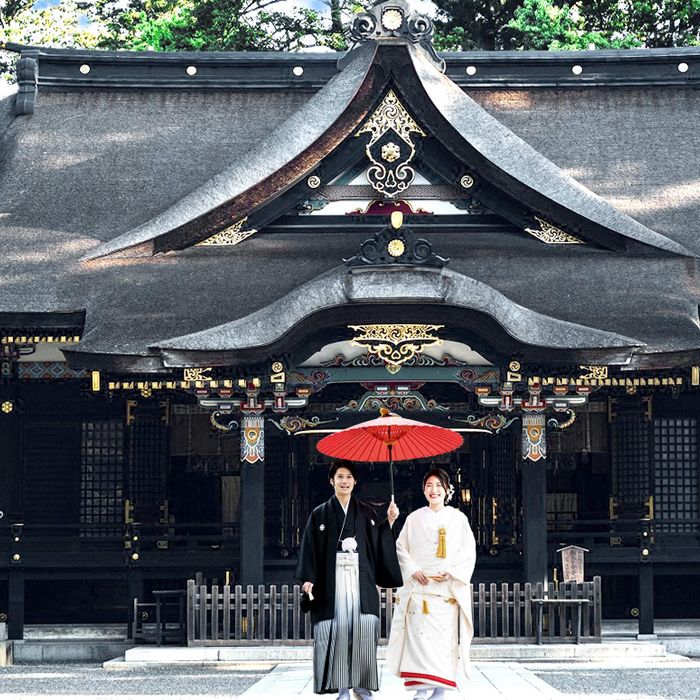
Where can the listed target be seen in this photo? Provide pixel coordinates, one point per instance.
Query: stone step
(67, 632)
(212, 655)
(66, 651)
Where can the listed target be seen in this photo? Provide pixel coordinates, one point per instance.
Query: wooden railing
(234, 615)
(41, 538)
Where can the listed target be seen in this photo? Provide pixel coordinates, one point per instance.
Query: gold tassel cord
(426, 610)
(442, 544)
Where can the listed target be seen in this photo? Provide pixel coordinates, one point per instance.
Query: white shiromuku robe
(432, 625)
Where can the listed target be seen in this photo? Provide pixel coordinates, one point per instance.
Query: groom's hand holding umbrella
(392, 513)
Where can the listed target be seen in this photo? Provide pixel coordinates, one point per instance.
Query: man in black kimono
(346, 552)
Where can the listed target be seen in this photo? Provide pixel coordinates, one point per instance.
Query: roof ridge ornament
(395, 19)
(394, 245)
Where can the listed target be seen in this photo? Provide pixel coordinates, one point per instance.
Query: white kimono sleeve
(403, 548)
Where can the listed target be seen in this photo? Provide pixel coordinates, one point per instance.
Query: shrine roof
(637, 147)
(254, 298)
(60, 68)
(135, 146)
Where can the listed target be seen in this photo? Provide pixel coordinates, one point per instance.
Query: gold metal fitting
(396, 248)
(396, 219)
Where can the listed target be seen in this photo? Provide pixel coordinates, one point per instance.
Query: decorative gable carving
(232, 235)
(390, 148)
(395, 20)
(551, 234)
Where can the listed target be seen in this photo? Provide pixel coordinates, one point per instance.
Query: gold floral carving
(196, 374)
(392, 116)
(232, 235)
(392, 19)
(395, 343)
(551, 234)
(390, 152)
(595, 372)
(396, 248)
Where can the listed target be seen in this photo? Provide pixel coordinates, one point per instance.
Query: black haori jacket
(379, 565)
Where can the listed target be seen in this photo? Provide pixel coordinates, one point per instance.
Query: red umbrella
(389, 438)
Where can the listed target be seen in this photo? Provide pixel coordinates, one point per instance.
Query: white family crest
(349, 544)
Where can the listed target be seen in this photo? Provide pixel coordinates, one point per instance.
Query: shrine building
(211, 260)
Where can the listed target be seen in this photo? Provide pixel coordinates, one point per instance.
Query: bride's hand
(421, 578)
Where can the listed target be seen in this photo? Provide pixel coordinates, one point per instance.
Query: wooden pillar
(252, 522)
(534, 475)
(15, 603)
(252, 530)
(134, 589)
(646, 599)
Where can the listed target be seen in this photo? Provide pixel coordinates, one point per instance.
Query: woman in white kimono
(432, 623)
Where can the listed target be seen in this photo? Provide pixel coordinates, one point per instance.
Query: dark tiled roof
(99, 163)
(278, 147)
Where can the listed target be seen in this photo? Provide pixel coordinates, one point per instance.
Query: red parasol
(389, 438)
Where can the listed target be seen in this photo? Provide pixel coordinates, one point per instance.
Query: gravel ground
(574, 681)
(93, 681)
(625, 683)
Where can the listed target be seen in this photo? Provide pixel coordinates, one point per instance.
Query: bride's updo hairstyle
(444, 478)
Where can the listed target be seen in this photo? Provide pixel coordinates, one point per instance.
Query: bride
(432, 623)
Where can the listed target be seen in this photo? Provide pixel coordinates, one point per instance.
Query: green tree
(214, 25)
(474, 24)
(63, 25)
(544, 24)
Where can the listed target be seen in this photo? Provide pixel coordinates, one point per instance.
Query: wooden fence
(234, 615)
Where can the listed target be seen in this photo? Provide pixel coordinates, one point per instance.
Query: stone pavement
(612, 679)
(488, 681)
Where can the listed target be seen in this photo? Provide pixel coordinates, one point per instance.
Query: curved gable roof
(517, 163)
(266, 329)
(270, 167)
(296, 147)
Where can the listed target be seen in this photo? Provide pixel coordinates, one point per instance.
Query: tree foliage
(217, 25)
(62, 26)
(473, 24)
(542, 24)
(557, 24)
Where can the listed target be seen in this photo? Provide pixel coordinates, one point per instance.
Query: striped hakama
(345, 647)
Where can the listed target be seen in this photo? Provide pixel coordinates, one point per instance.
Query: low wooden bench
(150, 620)
(555, 602)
